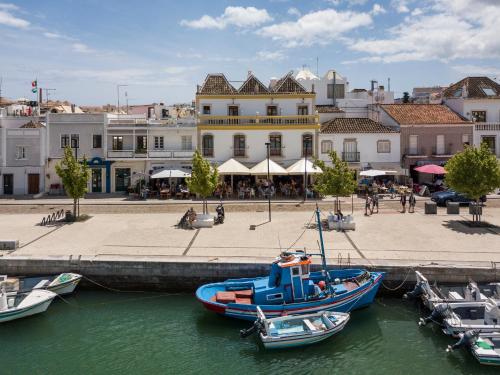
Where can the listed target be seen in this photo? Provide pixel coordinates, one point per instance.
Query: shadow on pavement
(467, 227)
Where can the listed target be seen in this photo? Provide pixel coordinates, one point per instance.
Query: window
(275, 148)
(272, 110)
(117, 142)
(440, 144)
(20, 152)
(307, 145)
(490, 140)
(413, 140)
(326, 147)
(142, 143)
(489, 91)
(239, 145)
(339, 91)
(75, 141)
(64, 140)
(97, 141)
(272, 297)
(465, 139)
(158, 143)
(479, 116)
(206, 110)
(295, 271)
(208, 145)
(350, 152)
(186, 143)
(383, 147)
(302, 110)
(232, 110)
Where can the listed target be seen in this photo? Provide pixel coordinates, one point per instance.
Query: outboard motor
(437, 315)
(219, 219)
(467, 339)
(256, 327)
(416, 292)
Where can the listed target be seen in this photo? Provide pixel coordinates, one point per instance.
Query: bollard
(430, 208)
(452, 208)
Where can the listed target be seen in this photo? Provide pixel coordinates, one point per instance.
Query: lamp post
(268, 145)
(74, 145)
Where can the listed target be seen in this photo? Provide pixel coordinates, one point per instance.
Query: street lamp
(74, 145)
(268, 145)
(307, 142)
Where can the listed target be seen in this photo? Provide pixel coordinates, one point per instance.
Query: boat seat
(225, 297)
(309, 325)
(455, 295)
(42, 284)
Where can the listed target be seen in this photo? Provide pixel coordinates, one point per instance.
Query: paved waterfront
(387, 238)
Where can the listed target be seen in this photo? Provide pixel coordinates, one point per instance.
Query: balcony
(258, 120)
(239, 152)
(150, 154)
(487, 126)
(187, 122)
(351, 157)
(445, 152)
(415, 152)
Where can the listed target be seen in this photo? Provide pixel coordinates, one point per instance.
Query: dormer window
(457, 93)
(489, 91)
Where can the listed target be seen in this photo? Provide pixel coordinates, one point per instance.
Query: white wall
(250, 107)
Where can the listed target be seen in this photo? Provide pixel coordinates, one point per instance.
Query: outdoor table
(164, 194)
(185, 194)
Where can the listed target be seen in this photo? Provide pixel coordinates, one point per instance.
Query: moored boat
(62, 284)
(297, 330)
(20, 305)
(485, 347)
(291, 288)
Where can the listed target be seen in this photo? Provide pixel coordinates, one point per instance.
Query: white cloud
(81, 48)
(8, 19)
(450, 32)
(401, 6)
(477, 70)
(417, 12)
(270, 55)
(378, 9)
(320, 27)
(233, 16)
(294, 12)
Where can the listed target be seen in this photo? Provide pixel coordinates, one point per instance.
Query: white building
(478, 99)
(237, 123)
(361, 142)
(22, 155)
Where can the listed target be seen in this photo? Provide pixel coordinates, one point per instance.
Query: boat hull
(355, 299)
(38, 308)
(66, 287)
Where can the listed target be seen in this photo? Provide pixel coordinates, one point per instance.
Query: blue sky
(163, 49)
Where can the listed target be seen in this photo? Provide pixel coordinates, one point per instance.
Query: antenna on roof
(317, 66)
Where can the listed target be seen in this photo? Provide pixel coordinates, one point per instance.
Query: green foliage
(337, 180)
(74, 176)
(474, 172)
(204, 178)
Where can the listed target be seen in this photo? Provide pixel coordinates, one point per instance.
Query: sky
(162, 49)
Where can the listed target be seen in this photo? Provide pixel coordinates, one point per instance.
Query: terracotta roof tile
(328, 108)
(405, 114)
(475, 87)
(287, 84)
(354, 125)
(32, 125)
(216, 84)
(253, 86)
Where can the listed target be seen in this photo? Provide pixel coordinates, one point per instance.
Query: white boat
(20, 305)
(297, 330)
(485, 347)
(64, 283)
(460, 317)
(432, 295)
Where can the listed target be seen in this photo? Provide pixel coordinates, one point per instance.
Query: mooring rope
(400, 285)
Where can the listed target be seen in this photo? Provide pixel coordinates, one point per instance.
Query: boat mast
(322, 246)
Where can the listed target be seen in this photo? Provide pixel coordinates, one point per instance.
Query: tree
(337, 180)
(474, 172)
(74, 176)
(406, 97)
(203, 180)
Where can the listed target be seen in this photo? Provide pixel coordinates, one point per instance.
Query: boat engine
(256, 327)
(439, 313)
(416, 292)
(467, 339)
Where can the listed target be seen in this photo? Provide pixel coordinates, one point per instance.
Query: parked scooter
(219, 219)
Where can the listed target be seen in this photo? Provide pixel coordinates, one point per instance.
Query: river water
(133, 333)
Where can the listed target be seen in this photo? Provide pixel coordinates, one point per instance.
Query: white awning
(232, 166)
(168, 173)
(301, 166)
(393, 167)
(375, 172)
(274, 168)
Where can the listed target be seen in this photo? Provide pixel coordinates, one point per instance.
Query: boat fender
(467, 339)
(337, 281)
(437, 315)
(416, 292)
(322, 284)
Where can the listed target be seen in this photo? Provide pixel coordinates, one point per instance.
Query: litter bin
(430, 208)
(69, 216)
(475, 208)
(452, 208)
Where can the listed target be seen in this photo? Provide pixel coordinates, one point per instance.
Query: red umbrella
(431, 169)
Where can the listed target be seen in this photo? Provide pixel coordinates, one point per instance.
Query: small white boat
(460, 317)
(432, 295)
(64, 283)
(20, 305)
(297, 330)
(485, 347)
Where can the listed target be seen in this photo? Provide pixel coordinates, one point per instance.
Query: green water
(113, 333)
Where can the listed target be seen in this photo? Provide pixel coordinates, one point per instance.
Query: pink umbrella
(431, 169)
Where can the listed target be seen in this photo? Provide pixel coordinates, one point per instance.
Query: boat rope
(113, 289)
(307, 226)
(400, 285)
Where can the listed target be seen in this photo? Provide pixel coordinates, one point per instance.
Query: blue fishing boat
(291, 288)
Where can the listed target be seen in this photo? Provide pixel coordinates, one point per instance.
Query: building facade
(237, 123)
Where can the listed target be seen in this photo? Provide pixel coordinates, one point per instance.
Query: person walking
(403, 201)
(412, 202)
(367, 204)
(375, 202)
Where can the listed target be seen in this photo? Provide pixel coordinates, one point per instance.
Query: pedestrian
(412, 202)
(375, 202)
(367, 204)
(403, 201)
